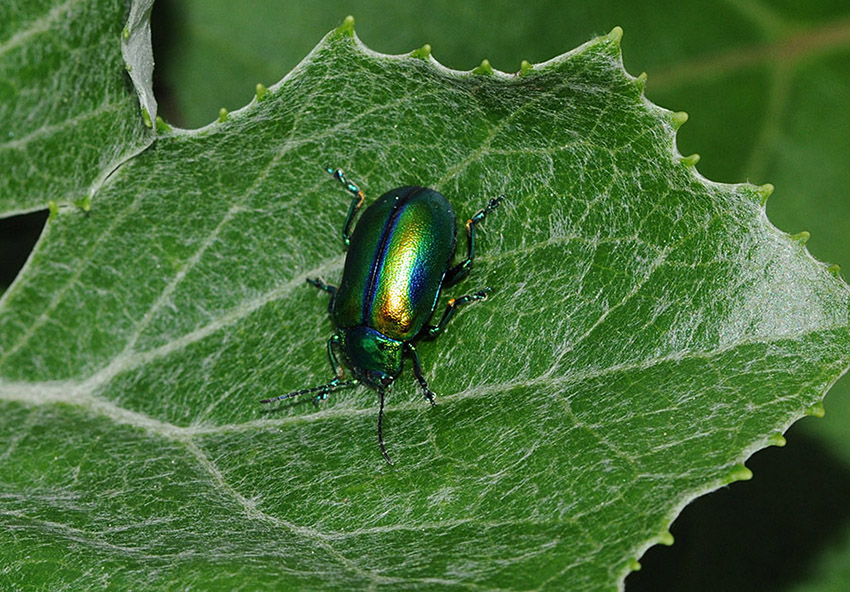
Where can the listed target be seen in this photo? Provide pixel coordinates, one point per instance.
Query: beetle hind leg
(417, 372)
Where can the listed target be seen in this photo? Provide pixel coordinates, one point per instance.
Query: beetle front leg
(339, 372)
(461, 270)
(417, 372)
(323, 389)
(356, 202)
(454, 303)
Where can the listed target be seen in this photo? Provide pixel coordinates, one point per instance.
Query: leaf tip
(616, 34)
(525, 67)
(666, 539)
(125, 33)
(679, 119)
(53, 208)
(640, 81)
(691, 160)
(634, 564)
(146, 117)
(834, 269)
(222, 115)
(801, 237)
(262, 91)
(816, 410)
(738, 473)
(777, 440)
(485, 69)
(423, 53)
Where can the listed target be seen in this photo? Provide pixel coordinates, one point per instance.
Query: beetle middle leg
(356, 201)
(417, 372)
(454, 303)
(461, 270)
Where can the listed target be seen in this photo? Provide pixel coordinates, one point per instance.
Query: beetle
(399, 259)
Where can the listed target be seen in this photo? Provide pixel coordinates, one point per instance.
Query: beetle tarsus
(322, 389)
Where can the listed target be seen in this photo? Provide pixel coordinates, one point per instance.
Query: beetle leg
(460, 271)
(454, 303)
(339, 372)
(323, 286)
(356, 201)
(322, 389)
(417, 372)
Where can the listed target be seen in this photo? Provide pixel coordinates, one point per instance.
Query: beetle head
(375, 359)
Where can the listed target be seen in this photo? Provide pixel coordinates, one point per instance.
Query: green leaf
(648, 330)
(68, 117)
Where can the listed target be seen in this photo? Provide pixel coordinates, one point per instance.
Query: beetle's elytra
(399, 259)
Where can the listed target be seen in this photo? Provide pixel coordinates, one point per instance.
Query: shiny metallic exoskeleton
(399, 259)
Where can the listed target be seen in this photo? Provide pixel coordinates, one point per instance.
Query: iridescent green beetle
(399, 258)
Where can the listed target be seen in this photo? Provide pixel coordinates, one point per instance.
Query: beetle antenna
(333, 385)
(380, 428)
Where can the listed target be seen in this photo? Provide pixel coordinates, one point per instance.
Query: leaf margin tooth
(816, 410)
(801, 237)
(777, 439)
(162, 126)
(679, 118)
(261, 92)
(484, 69)
(423, 53)
(84, 203)
(346, 27)
(640, 81)
(738, 472)
(765, 191)
(691, 160)
(615, 35)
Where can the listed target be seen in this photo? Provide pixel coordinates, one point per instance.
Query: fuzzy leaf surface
(68, 114)
(647, 331)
